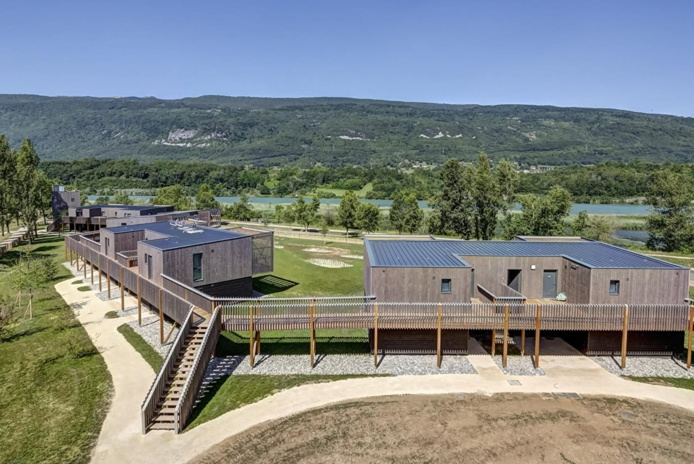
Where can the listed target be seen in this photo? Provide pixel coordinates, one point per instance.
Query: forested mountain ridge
(337, 131)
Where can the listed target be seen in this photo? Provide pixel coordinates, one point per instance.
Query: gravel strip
(150, 332)
(339, 364)
(518, 365)
(645, 366)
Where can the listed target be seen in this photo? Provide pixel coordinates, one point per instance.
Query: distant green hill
(336, 131)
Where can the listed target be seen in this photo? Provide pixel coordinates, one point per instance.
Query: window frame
(450, 286)
(202, 275)
(616, 286)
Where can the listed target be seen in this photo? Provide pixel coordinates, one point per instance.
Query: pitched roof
(178, 237)
(452, 253)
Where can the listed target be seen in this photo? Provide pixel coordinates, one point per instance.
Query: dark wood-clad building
(533, 271)
(217, 262)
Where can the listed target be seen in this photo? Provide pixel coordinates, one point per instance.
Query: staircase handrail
(160, 381)
(200, 356)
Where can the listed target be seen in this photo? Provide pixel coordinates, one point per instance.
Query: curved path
(121, 441)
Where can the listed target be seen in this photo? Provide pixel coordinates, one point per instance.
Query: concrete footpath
(121, 440)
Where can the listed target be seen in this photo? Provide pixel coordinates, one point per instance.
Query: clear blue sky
(636, 55)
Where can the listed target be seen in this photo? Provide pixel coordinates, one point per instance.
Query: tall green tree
(8, 171)
(305, 213)
(368, 217)
(405, 213)
(671, 226)
(204, 199)
(172, 195)
(28, 186)
(122, 199)
(455, 204)
(541, 215)
(347, 211)
(240, 211)
(487, 197)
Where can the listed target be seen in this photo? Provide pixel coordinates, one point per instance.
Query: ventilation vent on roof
(185, 227)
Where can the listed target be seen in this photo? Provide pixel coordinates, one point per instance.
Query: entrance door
(513, 279)
(549, 284)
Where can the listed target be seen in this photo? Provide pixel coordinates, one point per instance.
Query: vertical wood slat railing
(196, 375)
(159, 385)
(276, 315)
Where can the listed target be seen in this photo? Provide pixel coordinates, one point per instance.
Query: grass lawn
(232, 392)
(328, 341)
(54, 386)
(141, 346)
(666, 381)
(296, 277)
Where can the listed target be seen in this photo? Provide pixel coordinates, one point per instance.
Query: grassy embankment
(153, 358)
(293, 277)
(54, 386)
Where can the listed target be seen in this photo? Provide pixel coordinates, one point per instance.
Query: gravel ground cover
(518, 365)
(339, 365)
(645, 366)
(150, 332)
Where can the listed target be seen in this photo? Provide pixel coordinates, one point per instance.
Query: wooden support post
(538, 318)
(70, 257)
(523, 342)
(251, 359)
(689, 337)
(161, 318)
(84, 265)
(122, 291)
(99, 259)
(375, 334)
(312, 328)
(438, 335)
(139, 301)
(504, 354)
(493, 342)
(91, 264)
(108, 278)
(625, 331)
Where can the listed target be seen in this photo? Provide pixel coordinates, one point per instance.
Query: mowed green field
(294, 276)
(54, 385)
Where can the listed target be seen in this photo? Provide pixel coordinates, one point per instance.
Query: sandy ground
(470, 428)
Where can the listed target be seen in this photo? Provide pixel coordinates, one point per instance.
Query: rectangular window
(197, 267)
(614, 287)
(148, 260)
(445, 285)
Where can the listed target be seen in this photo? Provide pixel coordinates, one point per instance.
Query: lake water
(575, 209)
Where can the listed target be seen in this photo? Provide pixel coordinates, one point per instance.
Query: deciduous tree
(671, 226)
(347, 211)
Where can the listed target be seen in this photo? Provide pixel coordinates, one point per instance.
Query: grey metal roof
(451, 253)
(179, 238)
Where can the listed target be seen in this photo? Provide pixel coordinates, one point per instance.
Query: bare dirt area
(470, 428)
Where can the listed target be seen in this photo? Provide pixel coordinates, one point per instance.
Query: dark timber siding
(414, 284)
(575, 282)
(493, 270)
(409, 341)
(221, 261)
(157, 263)
(232, 288)
(640, 286)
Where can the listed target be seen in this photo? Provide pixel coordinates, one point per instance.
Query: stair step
(161, 426)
